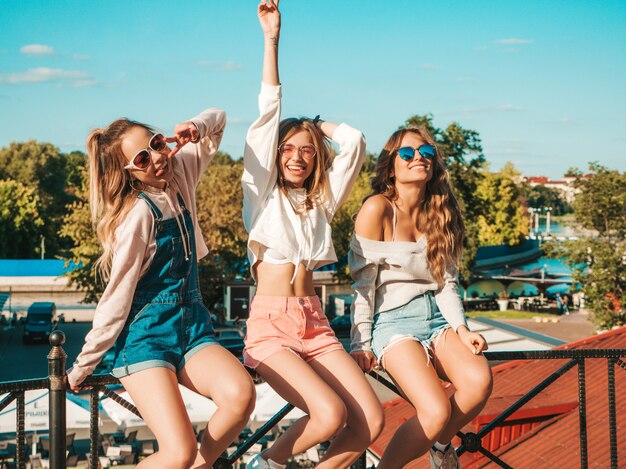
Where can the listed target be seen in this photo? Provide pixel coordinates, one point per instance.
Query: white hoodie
(268, 212)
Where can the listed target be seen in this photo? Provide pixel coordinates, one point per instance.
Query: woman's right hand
(365, 359)
(269, 17)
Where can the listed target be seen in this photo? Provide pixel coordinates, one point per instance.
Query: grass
(508, 314)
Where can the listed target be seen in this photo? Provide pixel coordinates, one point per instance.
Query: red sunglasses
(142, 158)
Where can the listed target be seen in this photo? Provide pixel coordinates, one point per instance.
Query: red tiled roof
(550, 441)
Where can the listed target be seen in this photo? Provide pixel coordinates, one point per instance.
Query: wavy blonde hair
(440, 217)
(112, 189)
(316, 183)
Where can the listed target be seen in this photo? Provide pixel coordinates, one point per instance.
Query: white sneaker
(257, 462)
(444, 459)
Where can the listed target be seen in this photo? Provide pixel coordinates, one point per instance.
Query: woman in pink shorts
(292, 188)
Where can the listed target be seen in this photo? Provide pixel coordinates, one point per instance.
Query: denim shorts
(419, 319)
(162, 334)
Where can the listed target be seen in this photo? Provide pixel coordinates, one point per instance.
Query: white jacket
(268, 213)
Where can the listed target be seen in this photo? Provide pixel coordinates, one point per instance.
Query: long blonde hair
(112, 189)
(316, 184)
(439, 217)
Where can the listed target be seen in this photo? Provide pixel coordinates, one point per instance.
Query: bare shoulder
(372, 217)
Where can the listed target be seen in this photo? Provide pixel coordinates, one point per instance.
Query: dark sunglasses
(408, 153)
(142, 158)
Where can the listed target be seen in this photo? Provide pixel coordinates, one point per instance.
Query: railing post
(56, 375)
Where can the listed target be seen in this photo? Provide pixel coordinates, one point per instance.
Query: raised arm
(197, 141)
(346, 166)
(260, 173)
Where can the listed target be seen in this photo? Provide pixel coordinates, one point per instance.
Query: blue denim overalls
(167, 323)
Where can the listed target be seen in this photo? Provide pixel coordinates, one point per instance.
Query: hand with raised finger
(184, 133)
(269, 17)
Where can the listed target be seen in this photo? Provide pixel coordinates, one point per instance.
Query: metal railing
(470, 442)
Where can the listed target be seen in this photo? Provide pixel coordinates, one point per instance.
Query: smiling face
(419, 169)
(160, 171)
(296, 166)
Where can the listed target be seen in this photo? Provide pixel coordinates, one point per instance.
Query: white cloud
(37, 49)
(239, 121)
(513, 41)
(80, 57)
(429, 66)
(220, 66)
(44, 74)
(464, 78)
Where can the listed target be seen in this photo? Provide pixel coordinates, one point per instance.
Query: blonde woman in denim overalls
(142, 197)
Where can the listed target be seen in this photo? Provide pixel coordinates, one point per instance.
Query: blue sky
(544, 83)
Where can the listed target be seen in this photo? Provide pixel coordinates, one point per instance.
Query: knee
(237, 398)
(182, 456)
(329, 417)
(435, 417)
(476, 386)
(375, 421)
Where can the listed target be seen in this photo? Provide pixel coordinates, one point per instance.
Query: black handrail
(471, 442)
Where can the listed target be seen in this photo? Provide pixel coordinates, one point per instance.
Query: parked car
(341, 325)
(39, 322)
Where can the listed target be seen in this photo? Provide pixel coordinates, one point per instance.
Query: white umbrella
(37, 411)
(199, 408)
(268, 403)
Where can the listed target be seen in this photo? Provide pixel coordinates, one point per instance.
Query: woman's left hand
(184, 133)
(475, 342)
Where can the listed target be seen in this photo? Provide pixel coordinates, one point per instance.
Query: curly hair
(440, 217)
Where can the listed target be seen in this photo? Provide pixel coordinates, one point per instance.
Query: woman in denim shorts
(407, 315)
(142, 198)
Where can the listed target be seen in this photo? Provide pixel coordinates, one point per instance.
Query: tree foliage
(51, 174)
(542, 196)
(503, 216)
(599, 262)
(20, 220)
(219, 201)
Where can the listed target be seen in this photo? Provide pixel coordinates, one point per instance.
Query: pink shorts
(294, 323)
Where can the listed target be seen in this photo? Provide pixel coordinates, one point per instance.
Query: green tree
(542, 196)
(219, 201)
(599, 262)
(51, 175)
(20, 220)
(503, 219)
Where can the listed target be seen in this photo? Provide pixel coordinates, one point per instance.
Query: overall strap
(181, 201)
(155, 210)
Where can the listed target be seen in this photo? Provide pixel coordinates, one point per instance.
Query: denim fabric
(167, 323)
(419, 319)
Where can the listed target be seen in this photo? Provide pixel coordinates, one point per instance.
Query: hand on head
(184, 133)
(269, 17)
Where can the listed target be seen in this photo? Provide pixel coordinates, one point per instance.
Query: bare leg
(365, 414)
(156, 395)
(471, 376)
(233, 393)
(417, 380)
(296, 382)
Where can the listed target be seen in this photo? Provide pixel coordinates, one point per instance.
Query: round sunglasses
(288, 150)
(142, 158)
(408, 153)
